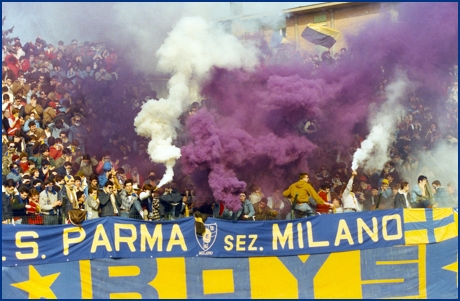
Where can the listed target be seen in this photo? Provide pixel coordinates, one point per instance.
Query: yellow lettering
(374, 235)
(103, 241)
(385, 220)
(129, 240)
(31, 244)
(157, 237)
(67, 241)
(343, 233)
(228, 243)
(300, 235)
(240, 242)
(287, 236)
(254, 238)
(312, 243)
(176, 232)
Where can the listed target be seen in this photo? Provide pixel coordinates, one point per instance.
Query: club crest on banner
(207, 239)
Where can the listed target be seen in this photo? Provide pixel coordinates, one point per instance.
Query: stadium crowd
(69, 146)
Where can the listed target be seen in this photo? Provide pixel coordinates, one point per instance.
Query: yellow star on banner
(38, 286)
(453, 267)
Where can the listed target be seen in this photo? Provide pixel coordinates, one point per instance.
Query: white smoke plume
(192, 48)
(373, 151)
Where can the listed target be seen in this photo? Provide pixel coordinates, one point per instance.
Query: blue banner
(317, 234)
(115, 237)
(409, 272)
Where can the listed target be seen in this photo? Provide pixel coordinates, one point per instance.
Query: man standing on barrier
(304, 192)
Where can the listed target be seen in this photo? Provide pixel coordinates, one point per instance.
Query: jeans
(305, 207)
(133, 212)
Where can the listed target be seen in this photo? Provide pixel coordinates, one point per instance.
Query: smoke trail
(193, 47)
(373, 150)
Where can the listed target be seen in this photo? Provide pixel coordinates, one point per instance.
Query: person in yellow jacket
(304, 191)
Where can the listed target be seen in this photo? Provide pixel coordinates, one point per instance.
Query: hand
(28, 206)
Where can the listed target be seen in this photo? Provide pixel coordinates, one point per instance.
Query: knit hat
(385, 181)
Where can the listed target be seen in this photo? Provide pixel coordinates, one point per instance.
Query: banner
(321, 35)
(410, 272)
(116, 237)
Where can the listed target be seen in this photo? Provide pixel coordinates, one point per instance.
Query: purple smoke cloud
(251, 133)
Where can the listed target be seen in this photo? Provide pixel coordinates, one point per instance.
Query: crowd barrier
(410, 253)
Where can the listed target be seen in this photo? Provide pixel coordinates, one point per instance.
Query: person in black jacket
(8, 196)
(403, 198)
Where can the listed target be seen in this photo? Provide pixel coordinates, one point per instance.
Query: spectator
(403, 198)
(422, 195)
(263, 211)
(9, 195)
(48, 204)
(86, 164)
(130, 204)
(92, 203)
(109, 202)
(303, 190)
(441, 196)
(350, 202)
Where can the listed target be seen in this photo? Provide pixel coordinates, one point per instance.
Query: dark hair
(86, 157)
(37, 181)
(325, 186)
(77, 178)
(43, 148)
(51, 140)
(58, 178)
(302, 175)
(108, 183)
(91, 189)
(128, 181)
(421, 178)
(10, 183)
(404, 184)
(66, 152)
(436, 182)
(93, 177)
(79, 194)
(33, 191)
(23, 189)
(67, 164)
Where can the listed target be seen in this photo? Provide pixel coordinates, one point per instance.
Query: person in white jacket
(349, 200)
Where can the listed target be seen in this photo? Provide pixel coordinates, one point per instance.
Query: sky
(65, 21)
